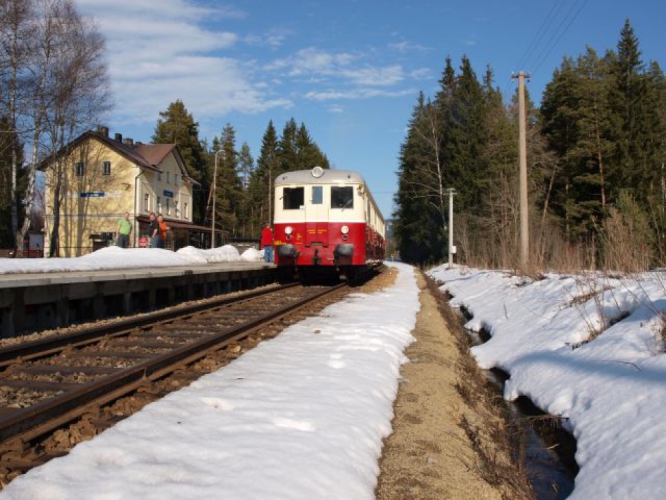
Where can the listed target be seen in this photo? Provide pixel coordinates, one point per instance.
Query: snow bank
(252, 255)
(123, 258)
(612, 388)
(226, 253)
(300, 417)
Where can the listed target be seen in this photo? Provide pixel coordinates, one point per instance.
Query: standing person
(267, 243)
(153, 230)
(124, 230)
(163, 228)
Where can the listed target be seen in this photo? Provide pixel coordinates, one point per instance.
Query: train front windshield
(293, 198)
(342, 197)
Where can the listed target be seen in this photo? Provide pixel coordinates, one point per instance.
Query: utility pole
(270, 189)
(522, 150)
(212, 228)
(451, 192)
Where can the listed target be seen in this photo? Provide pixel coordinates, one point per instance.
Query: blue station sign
(168, 194)
(91, 194)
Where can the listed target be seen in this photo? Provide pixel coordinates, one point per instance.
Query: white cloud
(273, 39)
(471, 40)
(317, 65)
(405, 46)
(389, 75)
(312, 60)
(160, 51)
(356, 94)
(421, 74)
(174, 9)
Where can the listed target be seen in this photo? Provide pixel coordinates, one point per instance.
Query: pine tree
(419, 221)
(629, 99)
(287, 149)
(245, 170)
(267, 168)
(466, 139)
(228, 184)
(177, 126)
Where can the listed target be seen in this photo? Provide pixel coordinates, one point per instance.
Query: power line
(542, 58)
(545, 26)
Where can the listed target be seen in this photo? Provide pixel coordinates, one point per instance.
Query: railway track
(90, 379)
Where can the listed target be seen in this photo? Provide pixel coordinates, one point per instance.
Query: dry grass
(662, 331)
(495, 441)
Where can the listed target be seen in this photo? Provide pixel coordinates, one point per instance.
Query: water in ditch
(545, 449)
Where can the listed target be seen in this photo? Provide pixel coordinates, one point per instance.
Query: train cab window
(317, 195)
(293, 198)
(342, 197)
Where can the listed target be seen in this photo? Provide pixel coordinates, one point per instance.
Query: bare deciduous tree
(57, 83)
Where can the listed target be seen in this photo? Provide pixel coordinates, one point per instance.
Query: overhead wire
(540, 33)
(543, 55)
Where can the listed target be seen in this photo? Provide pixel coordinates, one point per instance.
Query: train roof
(327, 176)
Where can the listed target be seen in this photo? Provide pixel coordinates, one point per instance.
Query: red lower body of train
(327, 247)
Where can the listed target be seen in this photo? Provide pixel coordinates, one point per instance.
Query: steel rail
(29, 423)
(51, 345)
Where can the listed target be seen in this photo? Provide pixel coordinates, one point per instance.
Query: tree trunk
(600, 159)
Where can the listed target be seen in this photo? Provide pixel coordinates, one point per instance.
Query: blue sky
(349, 69)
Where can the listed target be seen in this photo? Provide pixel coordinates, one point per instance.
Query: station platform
(36, 301)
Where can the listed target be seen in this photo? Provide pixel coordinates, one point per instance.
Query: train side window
(317, 195)
(342, 197)
(293, 198)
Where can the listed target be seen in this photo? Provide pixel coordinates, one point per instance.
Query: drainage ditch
(545, 449)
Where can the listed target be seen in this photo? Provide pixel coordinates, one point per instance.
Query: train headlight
(288, 230)
(344, 229)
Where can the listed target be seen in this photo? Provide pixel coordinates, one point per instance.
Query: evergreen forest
(595, 154)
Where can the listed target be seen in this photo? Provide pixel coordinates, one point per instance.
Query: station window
(106, 168)
(175, 208)
(146, 202)
(168, 178)
(342, 197)
(159, 204)
(293, 198)
(168, 206)
(185, 210)
(159, 176)
(317, 195)
(80, 169)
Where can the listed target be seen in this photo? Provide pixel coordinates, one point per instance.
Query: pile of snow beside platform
(227, 253)
(300, 417)
(252, 255)
(127, 258)
(612, 389)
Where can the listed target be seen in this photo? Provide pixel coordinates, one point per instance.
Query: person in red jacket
(267, 243)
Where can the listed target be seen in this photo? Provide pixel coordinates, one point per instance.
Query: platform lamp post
(212, 228)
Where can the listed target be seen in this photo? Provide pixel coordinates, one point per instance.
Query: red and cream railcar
(326, 220)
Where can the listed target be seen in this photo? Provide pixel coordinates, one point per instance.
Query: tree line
(596, 151)
(54, 85)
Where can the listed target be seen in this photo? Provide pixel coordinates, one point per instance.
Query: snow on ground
(611, 389)
(301, 416)
(129, 258)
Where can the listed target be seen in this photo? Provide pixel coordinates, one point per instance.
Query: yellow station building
(102, 178)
